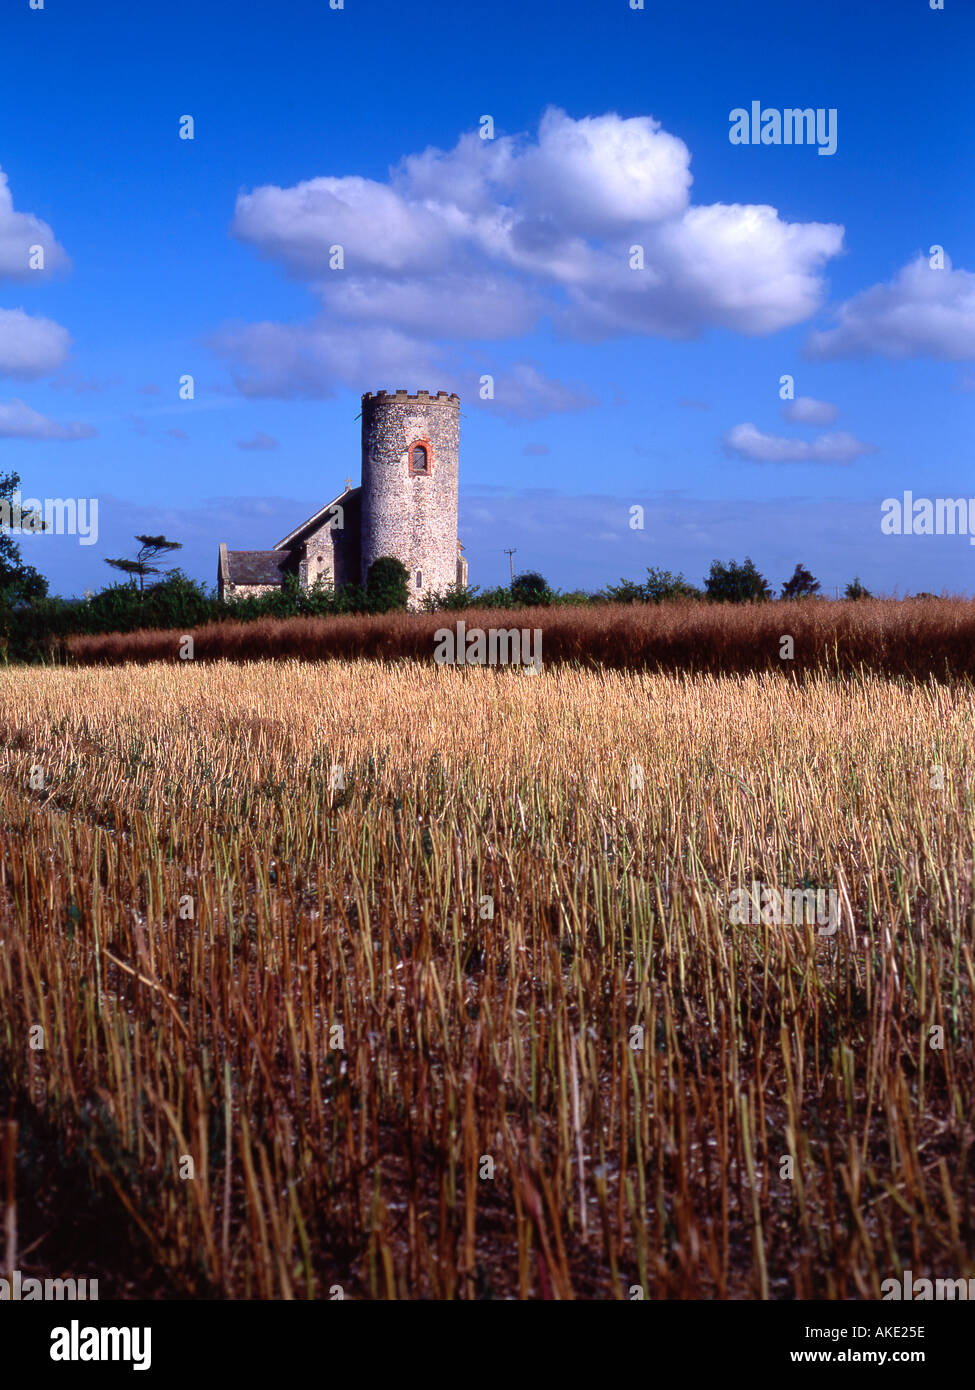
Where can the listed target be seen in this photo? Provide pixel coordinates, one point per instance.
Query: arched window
(419, 579)
(420, 459)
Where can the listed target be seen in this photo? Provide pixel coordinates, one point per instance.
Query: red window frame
(421, 472)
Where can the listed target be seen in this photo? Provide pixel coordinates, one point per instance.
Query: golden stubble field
(395, 981)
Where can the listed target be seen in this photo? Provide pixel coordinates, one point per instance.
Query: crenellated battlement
(422, 397)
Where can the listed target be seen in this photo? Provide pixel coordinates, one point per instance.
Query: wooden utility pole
(511, 554)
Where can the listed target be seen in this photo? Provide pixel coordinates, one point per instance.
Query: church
(405, 506)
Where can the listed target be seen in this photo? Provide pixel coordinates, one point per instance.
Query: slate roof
(257, 566)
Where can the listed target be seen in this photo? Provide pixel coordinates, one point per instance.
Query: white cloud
(601, 174)
(376, 227)
(493, 237)
(731, 266)
(29, 346)
(804, 410)
(920, 313)
(748, 442)
(19, 421)
(19, 231)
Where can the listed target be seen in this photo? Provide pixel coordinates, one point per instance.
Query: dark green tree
(734, 583)
(151, 548)
(801, 585)
(856, 590)
(530, 590)
(19, 583)
(387, 584)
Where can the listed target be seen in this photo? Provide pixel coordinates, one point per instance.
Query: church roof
(256, 566)
(349, 496)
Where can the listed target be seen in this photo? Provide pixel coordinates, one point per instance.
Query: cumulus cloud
(804, 410)
(492, 238)
(29, 346)
(19, 231)
(601, 174)
(729, 266)
(748, 442)
(19, 421)
(379, 229)
(921, 312)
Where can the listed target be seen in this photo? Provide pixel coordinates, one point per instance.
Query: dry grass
(917, 637)
(358, 1158)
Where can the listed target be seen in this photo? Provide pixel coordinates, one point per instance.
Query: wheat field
(394, 981)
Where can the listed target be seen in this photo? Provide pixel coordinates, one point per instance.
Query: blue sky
(508, 257)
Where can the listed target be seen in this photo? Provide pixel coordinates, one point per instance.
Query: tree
(856, 589)
(530, 590)
(626, 591)
(387, 584)
(658, 586)
(152, 548)
(734, 583)
(19, 583)
(801, 585)
(661, 584)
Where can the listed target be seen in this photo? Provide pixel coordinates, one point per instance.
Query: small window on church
(419, 579)
(419, 459)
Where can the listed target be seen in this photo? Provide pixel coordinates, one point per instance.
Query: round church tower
(409, 485)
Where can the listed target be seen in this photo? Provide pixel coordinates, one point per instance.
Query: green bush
(452, 599)
(658, 586)
(626, 591)
(530, 590)
(387, 585)
(496, 598)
